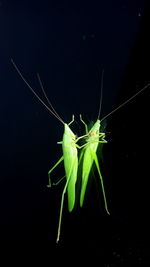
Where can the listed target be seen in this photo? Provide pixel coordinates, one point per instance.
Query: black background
(69, 44)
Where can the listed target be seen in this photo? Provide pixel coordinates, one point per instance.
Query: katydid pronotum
(70, 155)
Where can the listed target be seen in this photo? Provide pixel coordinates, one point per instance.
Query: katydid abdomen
(70, 164)
(86, 168)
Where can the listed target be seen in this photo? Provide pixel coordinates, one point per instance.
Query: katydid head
(95, 128)
(69, 133)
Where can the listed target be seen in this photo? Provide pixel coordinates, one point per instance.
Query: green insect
(88, 156)
(94, 138)
(70, 154)
(70, 158)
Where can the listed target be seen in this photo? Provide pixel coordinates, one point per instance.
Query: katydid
(88, 153)
(88, 156)
(70, 157)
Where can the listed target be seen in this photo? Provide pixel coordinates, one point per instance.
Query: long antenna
(127, 101)
(101, 95)
(50, 104)
(32, 90)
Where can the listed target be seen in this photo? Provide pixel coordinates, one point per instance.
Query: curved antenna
(127, 101)
(32, 90)
(101, 95)
(50, 104)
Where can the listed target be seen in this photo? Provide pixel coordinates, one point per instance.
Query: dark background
(69, 43)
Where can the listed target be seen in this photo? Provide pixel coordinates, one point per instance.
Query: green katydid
(88, 155)
(70, 157)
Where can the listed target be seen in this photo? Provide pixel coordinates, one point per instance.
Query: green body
(70, 164)
(88, 156)
(71, 167)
